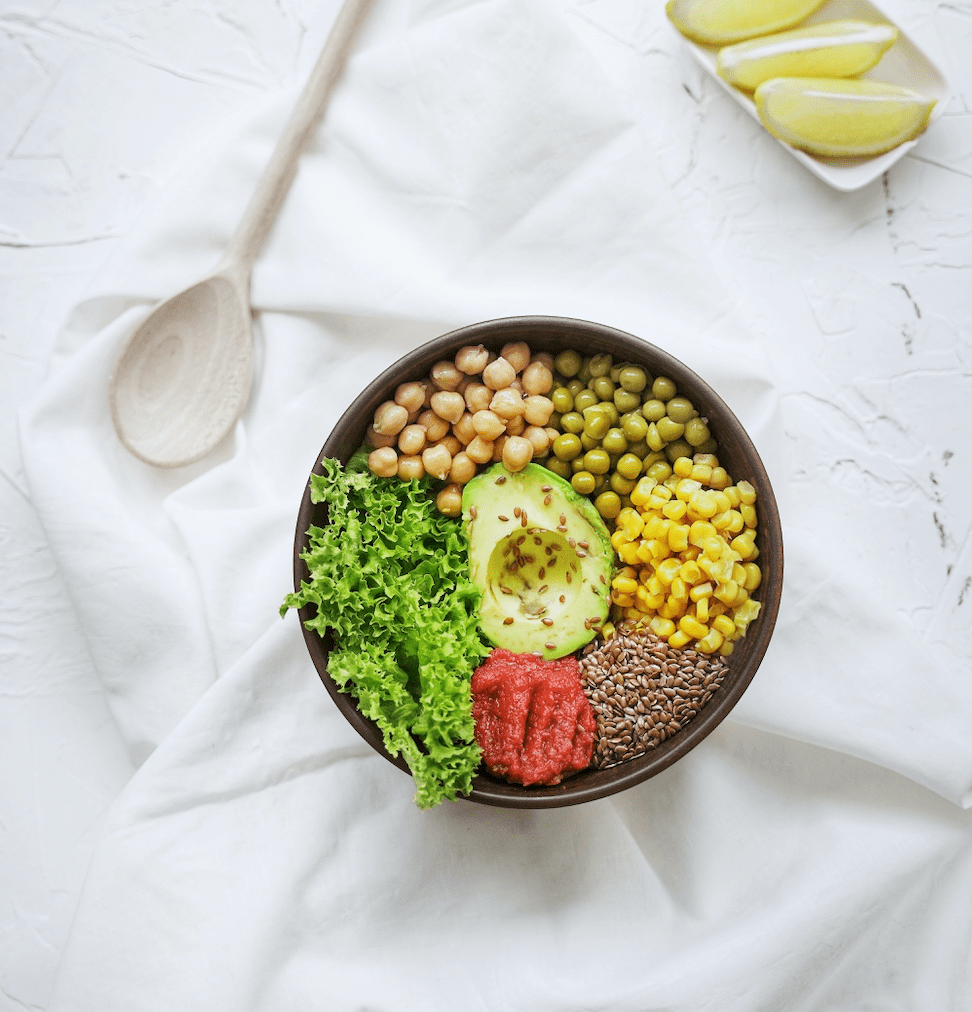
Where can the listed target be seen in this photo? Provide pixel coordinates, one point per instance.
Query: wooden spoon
(183, 377)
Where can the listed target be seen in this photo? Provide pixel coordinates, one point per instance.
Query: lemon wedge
(841, 118)
(722, 22)
(830, 49)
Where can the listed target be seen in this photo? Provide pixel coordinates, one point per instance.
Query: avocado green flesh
(546, 582)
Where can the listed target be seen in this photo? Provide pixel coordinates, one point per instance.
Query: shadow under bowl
(737, 455)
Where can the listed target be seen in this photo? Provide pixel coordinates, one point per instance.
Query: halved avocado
(542, 557)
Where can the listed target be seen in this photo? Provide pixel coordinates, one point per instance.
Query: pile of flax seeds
(642, 691)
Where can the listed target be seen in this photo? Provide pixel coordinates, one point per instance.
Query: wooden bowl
(736, 453)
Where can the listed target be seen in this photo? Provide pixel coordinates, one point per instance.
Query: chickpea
(507, 403)
(539, 439)
(537, 379)
(445, 376)
(480, 450)
(464, 430)
(517, 453)
(498, 445)
(515, 426)
(499, 374)
(537, 409)
(411, 396)
(437, 460)
(435, 427)
(478, 396)
(409, 467)
(383, 462)
(449, 501)
(517, 353)
(488, 425)
(451, 443)
(390, 419)
(448, 405)
(376, 440)
(472, 359)
(411, 440)
(463, 468)
(545, 359)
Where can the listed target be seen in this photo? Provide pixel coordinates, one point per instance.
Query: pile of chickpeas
(477, 409)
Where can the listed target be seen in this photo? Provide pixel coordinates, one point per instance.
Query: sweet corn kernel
(714, 548)
(678, 537)
(668, 570)
(667, 611)
(678, 639)
(641, 491)
(623, 600)
(715, 607)
(719, 478)
(748, 514)
(692, 626)
(721, 521)
(683, 467)
(654, 527)
(674, 607)
(701, 472)
(704, 504)
(662, 627)
(701, 590)
(699, 532)
(685, 488)
(724, 624)
(733, 493)
(643, 552)
(706, 458)
(726, 648)
(741, 595)
(690, 572)
(711, 642)
(726, 592)
(674, 509)
(607, 630)
(753, 576)
(743, 544)
(624, 584)
(631, 524)
(736, 522)
(738, 573)
(661, 493)
(679, 590)
(702, 609)
(628, 553)
(747, 494)
(654, 585)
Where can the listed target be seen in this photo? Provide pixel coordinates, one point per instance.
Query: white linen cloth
(476, 162)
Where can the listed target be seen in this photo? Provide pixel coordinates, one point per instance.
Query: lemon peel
(842, 48)
(722, 22)
(840, 117)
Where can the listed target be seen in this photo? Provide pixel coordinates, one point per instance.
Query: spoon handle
(273, 185)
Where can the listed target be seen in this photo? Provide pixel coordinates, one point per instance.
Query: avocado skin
(523, 569)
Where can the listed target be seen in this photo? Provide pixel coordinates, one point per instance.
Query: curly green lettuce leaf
(389, 579)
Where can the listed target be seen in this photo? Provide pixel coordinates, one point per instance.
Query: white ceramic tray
(903, 64)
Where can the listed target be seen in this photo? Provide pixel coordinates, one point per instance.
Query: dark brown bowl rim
(548, 333)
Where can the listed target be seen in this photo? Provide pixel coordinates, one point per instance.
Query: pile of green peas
(617, 423)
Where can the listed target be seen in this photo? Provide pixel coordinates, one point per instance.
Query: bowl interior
(736, 453)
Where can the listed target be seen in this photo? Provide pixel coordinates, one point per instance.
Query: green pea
(577, 464)
(597, 461)
(561, 468)
(608, 505)
(573, 422)
(611, 410)
(659, 471)
(629, 465)
(679, 409)
(663, 388)
(614, 441)
(709, 446)
(584, 373)
(600, 482)
(654, 457)
(668, 429)
(603, 387)
(583, 482)
(563, 400)
(585, 399)
(678, 449)
(696, 432)
(596, 423)
(566, 446)
(568, 363)
(625, 401)
(626, 502)
(633, 378)
(639, 449)
(554, 422)
(588, 442)
(600, 365)
(634, 427)
(653, 409)
(622, 485)
(653, 439)
(575, 386)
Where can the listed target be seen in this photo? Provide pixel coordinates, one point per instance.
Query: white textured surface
(861, 301)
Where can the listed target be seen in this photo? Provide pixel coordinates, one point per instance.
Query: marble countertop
(102, 102)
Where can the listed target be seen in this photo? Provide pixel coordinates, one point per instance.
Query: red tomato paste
(533, 721)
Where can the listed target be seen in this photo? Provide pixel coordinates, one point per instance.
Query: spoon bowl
(183, 377)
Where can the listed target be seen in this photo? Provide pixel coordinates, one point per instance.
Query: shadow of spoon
(183, 377)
